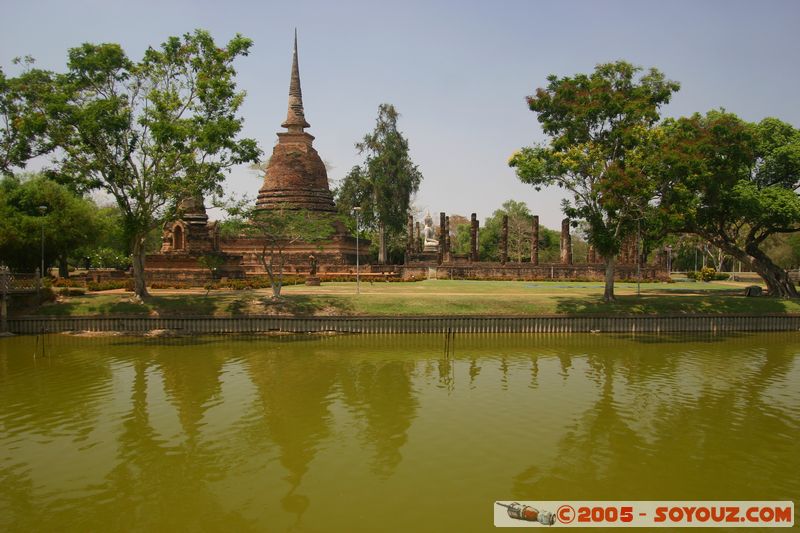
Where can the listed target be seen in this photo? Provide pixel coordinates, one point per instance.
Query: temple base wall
(241, 260)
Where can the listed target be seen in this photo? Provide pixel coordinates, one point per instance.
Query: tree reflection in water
(295, 394)
(381, 394)
(712, 416)
(254, 434)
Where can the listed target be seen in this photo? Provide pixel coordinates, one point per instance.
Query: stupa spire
(295, 117)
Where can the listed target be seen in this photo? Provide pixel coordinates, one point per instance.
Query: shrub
(707, 274)
(67, 282)
(170, 285)
(72, 291)
(110, 284)
(109, 258)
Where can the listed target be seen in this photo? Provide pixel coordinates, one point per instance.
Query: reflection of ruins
(295, 178)
(294, 394)
(381, 394)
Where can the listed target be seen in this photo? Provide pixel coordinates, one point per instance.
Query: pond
(385, 433)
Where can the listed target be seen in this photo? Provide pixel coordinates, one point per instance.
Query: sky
(458, 72)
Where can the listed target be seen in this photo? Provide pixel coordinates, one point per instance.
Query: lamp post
(357, 211)
(42, 210)
(638, 257)
(669, 259)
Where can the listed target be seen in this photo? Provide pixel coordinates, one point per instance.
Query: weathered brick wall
(521, 271)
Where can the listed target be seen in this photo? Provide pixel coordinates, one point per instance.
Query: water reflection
(294, 391)
(304, 433)
(381, 394)
(154, 475)
(599, 445)
(684, 426)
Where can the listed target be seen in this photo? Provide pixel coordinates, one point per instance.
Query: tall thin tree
(384, 184)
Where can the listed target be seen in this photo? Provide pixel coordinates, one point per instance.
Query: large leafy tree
(384, 184)
(23, 123)
(733, 183)
(67, 222)
(150, 132)
(519, 232)
(597, 124)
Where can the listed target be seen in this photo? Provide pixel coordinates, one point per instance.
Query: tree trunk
(382, 243)
(63, 267)
(608, 293)
(276, 289)
(274, 284)
(776, 278)
(139, 285)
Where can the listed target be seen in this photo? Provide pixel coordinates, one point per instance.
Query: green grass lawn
(442, 297)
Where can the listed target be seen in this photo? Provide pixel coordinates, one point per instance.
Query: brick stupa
(295, 179)
(296, 176)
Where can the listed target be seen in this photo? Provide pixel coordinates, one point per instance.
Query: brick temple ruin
(296, 178)
(423, 261)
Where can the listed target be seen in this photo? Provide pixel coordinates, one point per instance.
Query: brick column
(418, 243)
(448, 254)
(535, 240)
(441, 236)
(410, 238)
(566, 243)
(504, 241)
(473, 237)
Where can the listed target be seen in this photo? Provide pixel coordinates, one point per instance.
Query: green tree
(597, 124)
(68, 222)
(276, 229)
(154, 131)
(519, 229)
(519, 232)
(733, 183)
(519, 236)
(459, 234)
(384, 184)
(109, 247)
(23, 123)
(784, 249)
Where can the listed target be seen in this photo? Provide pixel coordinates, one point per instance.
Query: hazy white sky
(458, 72)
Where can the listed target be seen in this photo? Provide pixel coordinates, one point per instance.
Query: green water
(384, 433)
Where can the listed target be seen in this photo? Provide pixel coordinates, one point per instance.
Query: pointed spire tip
(295, 118)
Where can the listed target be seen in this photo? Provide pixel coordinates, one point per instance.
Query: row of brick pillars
(445, 255)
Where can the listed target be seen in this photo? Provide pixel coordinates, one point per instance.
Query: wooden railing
(11, 283)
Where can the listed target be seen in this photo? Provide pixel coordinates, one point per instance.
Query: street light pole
(669, 260)
(357, 211)
(638, 257)
(42, 210)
